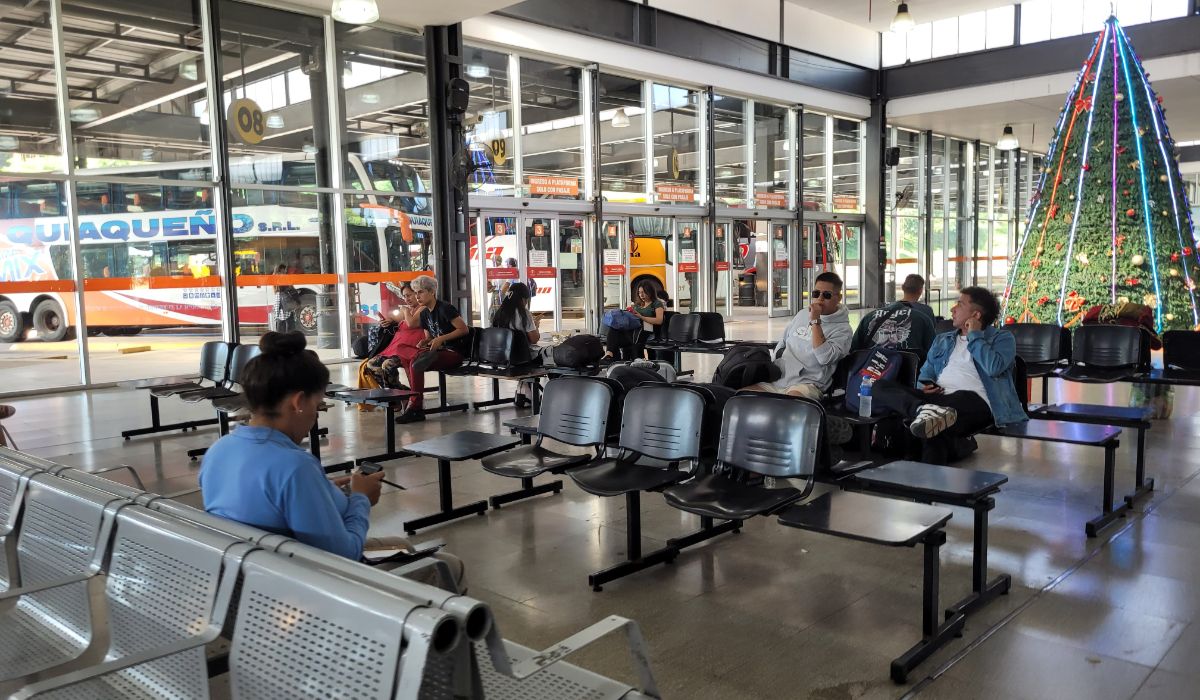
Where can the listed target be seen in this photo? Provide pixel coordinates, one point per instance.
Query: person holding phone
(815, 341)
(261, 476)
(965, 385)
(403, 348)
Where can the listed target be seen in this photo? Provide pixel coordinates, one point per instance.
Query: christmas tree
(1109, 220)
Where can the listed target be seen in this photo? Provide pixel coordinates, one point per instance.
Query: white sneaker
(932, 420)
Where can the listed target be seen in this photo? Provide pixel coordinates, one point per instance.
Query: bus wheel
(654, 284)
(306, 314)
(50, 322)
(12, 325)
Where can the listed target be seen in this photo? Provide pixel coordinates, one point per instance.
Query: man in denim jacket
(966, 384)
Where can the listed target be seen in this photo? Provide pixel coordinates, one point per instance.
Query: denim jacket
(994, 352)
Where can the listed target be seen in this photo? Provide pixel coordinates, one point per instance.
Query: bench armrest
(93, 672)
(525, 668)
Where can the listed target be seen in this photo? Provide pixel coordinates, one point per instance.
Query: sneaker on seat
(931, 420)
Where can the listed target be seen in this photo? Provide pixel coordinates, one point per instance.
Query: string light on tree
(1110, 205)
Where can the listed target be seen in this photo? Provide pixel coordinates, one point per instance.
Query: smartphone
(367, 468)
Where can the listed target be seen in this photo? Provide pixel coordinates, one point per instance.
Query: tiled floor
(774, 612)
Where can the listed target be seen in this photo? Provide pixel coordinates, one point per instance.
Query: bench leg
(934, 636)
(527, 490)
(982, 590)
(707, 531)
(1142, 484)
(443, 406)
(390, 431)
(634, 559)
(448, 511)
(157, 426)
(1046, 390)
(495, 400)
(1109, 514)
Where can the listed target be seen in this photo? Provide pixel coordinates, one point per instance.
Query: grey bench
(891, 524)
(1102, 436)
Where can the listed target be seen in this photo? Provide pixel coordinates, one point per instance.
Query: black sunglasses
(818, 294)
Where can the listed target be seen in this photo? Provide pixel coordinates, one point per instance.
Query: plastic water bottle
(864, 397)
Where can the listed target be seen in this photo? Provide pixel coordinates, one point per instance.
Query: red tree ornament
(1131, 213)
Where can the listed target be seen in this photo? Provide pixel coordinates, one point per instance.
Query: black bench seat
(1136, 418)
(954, 486)
(889, 523)
(1103, 436)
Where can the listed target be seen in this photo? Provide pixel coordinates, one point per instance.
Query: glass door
(721, 268)
(833, 246)
(572, 296)
(613, 269)
(540, 269)
(652, 255)
(781, 253)
(495, 259)
(687, 265)
(852, 265)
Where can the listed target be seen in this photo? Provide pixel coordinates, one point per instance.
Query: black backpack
(629, 376)
(578, 351)
(744, 365)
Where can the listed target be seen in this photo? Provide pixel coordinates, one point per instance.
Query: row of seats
(109, 591)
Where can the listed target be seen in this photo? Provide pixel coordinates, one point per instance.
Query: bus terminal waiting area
(659, 544)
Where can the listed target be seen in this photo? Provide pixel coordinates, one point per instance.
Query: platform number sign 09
(246, 121)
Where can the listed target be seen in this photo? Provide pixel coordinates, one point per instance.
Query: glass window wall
(677, 157)
(733, 145)
(815, 156)
(489, 123)
(772, 157)
(622, 143)
(551, 130)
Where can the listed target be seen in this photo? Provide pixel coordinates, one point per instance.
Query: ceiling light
(147, 154)
(309, 149)
(620, 119)
(812, 183)
(903, 22)
(355, 11)
(204, 118)
(477, 71)
(1008, 140)
(188, 70)
(274, 121)
(369, 98)
(9, 143)
(725, 172)
(85, 114)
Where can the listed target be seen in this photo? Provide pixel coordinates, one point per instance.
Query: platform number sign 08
(246, 121)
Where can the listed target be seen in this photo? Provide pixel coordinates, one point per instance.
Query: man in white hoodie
(816, 339)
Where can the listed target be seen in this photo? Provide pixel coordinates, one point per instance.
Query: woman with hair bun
(260, 475)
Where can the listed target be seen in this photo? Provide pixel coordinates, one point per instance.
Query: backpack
(665, 370)
(631, 375)
(362, 346)
(622, 320)
(744, 365)
(715, 397)
(878, 363)
(578, 351)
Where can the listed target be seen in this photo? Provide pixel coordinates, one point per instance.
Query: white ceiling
(882, 11)
(1034, 119)
(418, 14)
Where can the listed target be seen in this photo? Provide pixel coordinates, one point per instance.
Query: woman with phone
(514, 313)
(261, 476)
(384, 365)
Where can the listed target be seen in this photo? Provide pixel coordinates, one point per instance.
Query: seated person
(815, 340)
(967, 382)
(913, 289)
(385, 366)
(514, 313)
(898, 325)
(444, 346)
(631, 345)
(261, 476)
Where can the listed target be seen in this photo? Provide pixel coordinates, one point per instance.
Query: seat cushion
(613, 477)
(718, 496)
(1097, 375)
(531, 460)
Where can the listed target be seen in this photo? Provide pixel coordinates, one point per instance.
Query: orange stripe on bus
(124, 284)
(279, 280)
(370, 277)
(37, 286)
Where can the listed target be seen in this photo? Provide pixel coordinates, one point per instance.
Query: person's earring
(299, 410)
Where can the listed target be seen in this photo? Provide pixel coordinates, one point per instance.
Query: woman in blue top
(261, 476)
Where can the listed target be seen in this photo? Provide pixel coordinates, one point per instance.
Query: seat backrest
(175, 509)
(13, 478)
(575, 410)
(662, 422)
(1110, 347)
(1181, 350)
(162, 581)
(214, 360)
(1021, 381)
(660, 331)
(500, 347)
(303, 632)
(712, 327)
(62, 524)
(241, 357)
(1041, 342)
(771, 435)
(684, 328)
(943, 325)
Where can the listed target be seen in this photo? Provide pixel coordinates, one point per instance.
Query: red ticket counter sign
(722, 266)
(689, 267)
(780, 265)
(542, 272)
(502, 273)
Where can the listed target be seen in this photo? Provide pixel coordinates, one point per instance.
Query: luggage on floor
(744, 365)
(578, 351)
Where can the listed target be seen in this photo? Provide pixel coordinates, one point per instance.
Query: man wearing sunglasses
(813, 343)
(965, 385)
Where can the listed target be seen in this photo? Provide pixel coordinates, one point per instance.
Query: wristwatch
(815, 321)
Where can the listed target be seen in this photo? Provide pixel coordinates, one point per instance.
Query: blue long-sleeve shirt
(259, 477)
